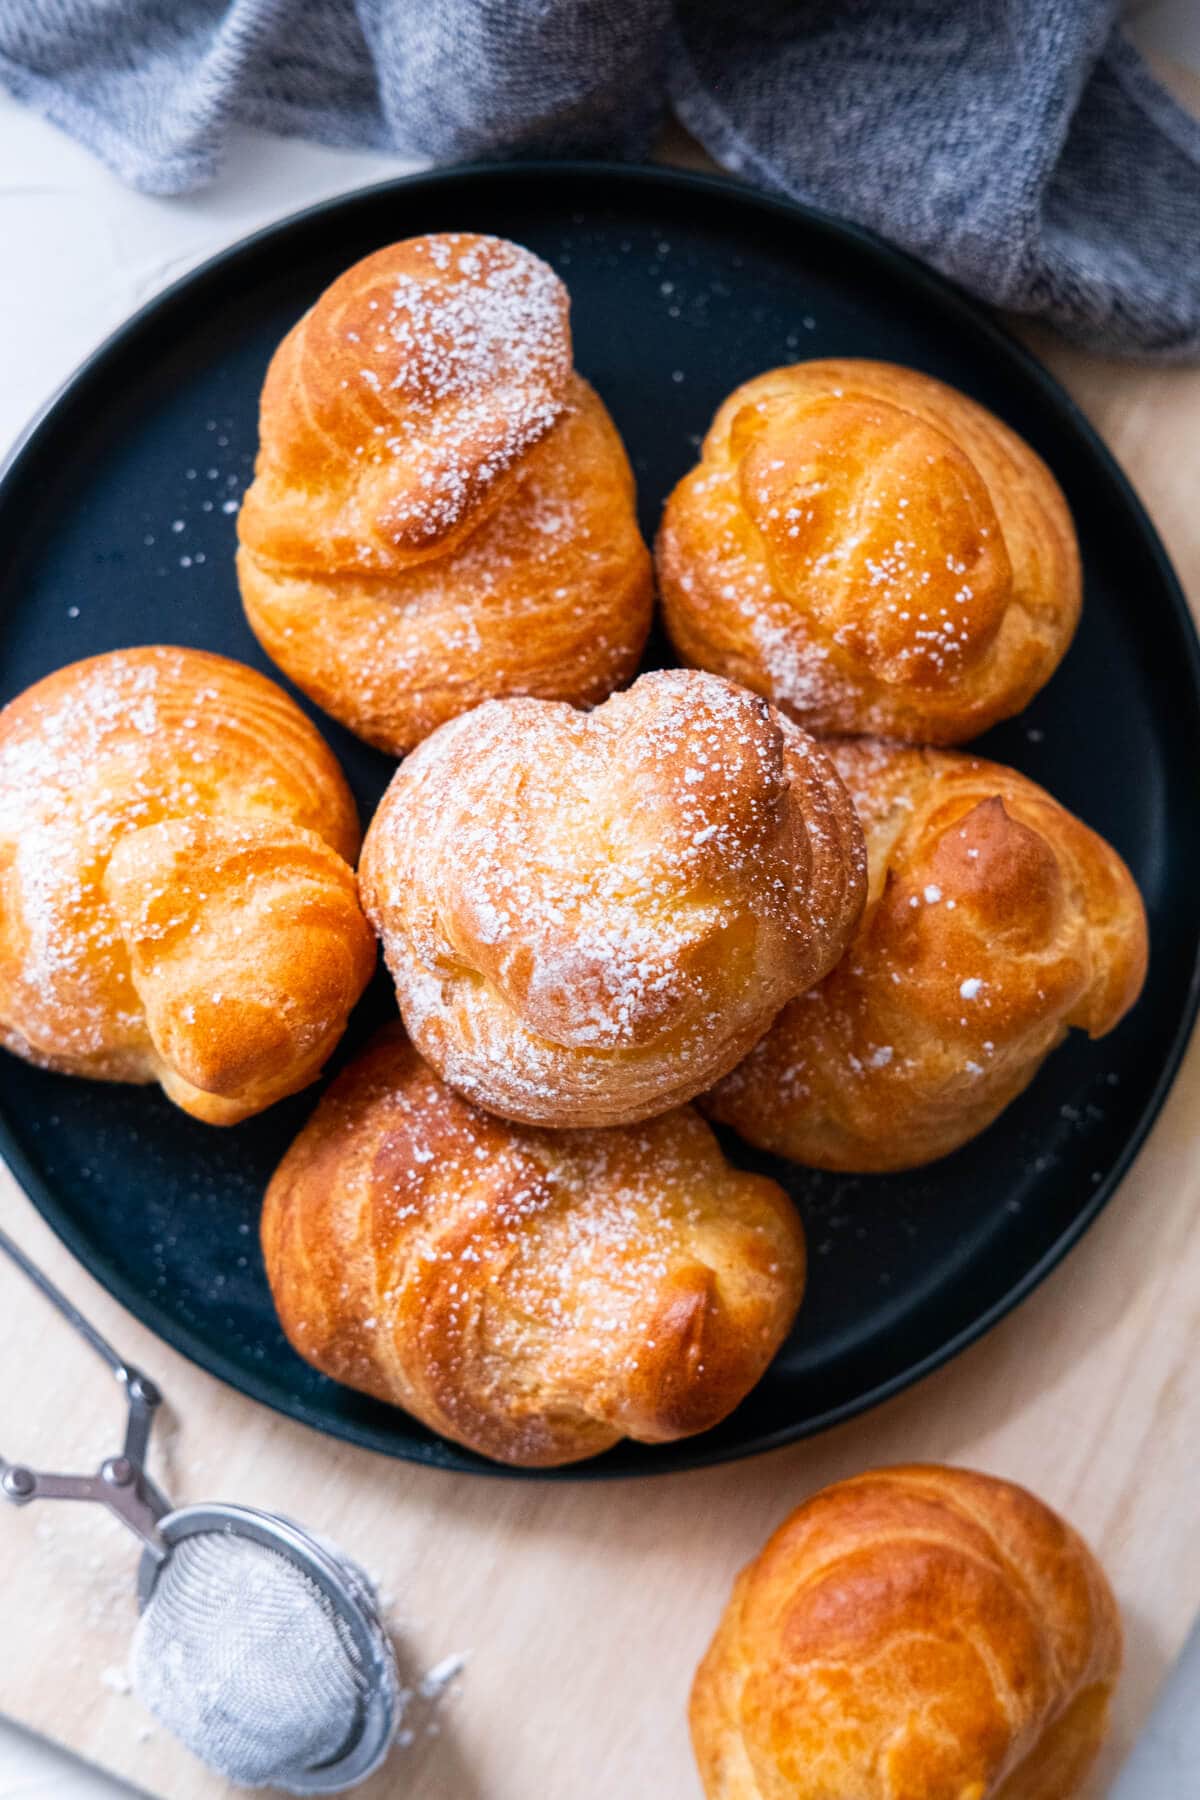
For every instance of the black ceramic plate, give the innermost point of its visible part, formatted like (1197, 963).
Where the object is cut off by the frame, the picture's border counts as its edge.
(117, 527)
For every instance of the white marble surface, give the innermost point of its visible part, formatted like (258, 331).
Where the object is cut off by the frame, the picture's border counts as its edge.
(80, 253)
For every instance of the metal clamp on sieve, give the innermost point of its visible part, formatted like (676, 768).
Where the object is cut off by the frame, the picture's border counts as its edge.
(259, 1644)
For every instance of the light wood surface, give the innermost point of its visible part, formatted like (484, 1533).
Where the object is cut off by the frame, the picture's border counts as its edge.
(582, 1609)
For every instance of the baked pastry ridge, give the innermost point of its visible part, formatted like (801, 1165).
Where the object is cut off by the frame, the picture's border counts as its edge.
(533, 1295)
(177, 901)
(588, 915)
(914, 1633)
(995, 922)
(873, 551)
(442, 509)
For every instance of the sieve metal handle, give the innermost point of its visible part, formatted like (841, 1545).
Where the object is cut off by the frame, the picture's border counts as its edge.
(121, 1482)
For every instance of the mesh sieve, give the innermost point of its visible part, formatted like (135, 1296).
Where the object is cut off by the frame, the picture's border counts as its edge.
(261, 1648)
(260, 1644)
(242, 1657)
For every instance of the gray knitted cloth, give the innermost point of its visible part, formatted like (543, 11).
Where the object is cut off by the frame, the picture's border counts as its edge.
(1019, 145)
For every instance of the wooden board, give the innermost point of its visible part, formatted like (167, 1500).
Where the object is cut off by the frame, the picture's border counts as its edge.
(582, 1610)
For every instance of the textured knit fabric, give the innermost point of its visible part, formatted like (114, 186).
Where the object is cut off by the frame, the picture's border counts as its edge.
(1019, 145)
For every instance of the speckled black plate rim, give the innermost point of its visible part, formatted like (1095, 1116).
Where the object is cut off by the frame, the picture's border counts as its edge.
(693, 1453)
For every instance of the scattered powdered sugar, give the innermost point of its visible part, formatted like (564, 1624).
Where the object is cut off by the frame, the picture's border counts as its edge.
(422, 1704)
(794, 662)
(494, 323)
(436, 1681)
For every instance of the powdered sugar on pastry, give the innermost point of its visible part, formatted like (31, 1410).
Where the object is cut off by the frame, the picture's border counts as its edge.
(442, 509)
(109, 751)
(414, 385)
(484, 340)
(535, 1295)
(585, 913)
(871, 550)
(995, 921)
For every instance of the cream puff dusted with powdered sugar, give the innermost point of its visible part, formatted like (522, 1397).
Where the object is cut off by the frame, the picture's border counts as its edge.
(535, 1295)
(442, 510)
(873, 551)
(589, 916)
(177, 901)
(995, 922)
